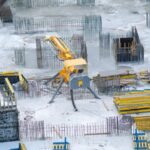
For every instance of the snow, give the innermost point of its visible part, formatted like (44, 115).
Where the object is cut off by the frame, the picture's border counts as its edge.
(117, 18)
(86, 143)
(92, 110)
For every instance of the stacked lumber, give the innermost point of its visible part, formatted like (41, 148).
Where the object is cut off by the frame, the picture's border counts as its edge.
(143, 123)
(133, 102)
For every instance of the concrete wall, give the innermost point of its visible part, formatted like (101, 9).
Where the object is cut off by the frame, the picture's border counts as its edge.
(92, 27)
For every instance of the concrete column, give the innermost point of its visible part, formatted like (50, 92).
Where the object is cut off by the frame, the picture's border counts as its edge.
(39, 53)
(148, 19)
(92, 27)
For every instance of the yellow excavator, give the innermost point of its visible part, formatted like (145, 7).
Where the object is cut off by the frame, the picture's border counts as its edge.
(72, 66)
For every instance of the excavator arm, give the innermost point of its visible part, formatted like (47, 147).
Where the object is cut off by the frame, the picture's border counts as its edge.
(64, 53)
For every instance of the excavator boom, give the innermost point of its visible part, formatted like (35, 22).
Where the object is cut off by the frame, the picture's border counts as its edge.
(64, 53)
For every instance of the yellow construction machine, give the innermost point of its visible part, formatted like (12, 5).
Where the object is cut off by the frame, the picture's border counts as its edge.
(72, 66)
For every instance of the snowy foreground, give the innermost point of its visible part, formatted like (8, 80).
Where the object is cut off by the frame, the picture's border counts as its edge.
(90, 143)
(117, 17)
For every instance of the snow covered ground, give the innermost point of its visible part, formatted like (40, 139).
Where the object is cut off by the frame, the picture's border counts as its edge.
(86, 143)
(118, 16)
(62, 111)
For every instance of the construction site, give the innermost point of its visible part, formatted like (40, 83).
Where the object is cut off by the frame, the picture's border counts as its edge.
(74, 75)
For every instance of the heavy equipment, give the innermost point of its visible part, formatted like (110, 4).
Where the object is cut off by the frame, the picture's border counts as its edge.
(71, 73)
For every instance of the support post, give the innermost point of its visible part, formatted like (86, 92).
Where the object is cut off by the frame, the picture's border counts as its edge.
(72, 99)
(57, 90)
(95, 95)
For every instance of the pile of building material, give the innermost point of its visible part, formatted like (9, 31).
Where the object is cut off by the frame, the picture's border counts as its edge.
(143, 123)
(144, 76)
(133, 102)
(115, 82)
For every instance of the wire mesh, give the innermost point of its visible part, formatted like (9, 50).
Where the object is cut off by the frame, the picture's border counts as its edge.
(43, 3)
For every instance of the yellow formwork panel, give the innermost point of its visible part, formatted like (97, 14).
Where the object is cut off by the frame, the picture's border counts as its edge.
(10, 88)
(133, 102)
(23, 147)
(129, 76)
(23, 82)
(134, 111)
(133, 97)
(143, 122)
(10, 73)
(137, 92)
